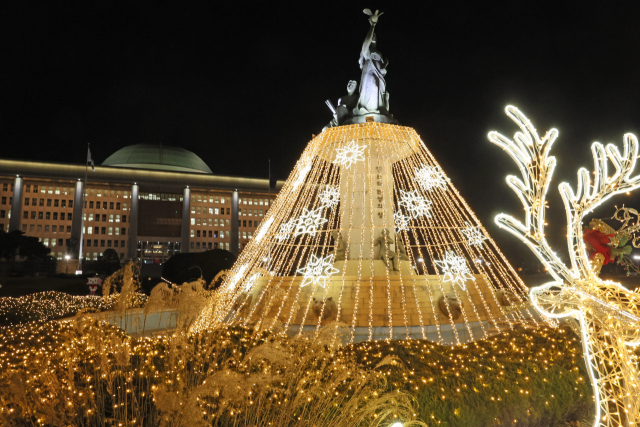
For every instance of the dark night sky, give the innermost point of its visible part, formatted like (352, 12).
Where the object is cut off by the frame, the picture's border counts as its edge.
(244, 83)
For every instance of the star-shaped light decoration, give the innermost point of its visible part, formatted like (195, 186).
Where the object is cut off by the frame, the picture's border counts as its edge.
(317, 271)
(251, 281)
(330, 196)
(309, 222)
(455, 269)
(286, 228)
(414, 203)
(349, 155)
(429, 177)
(263, 229)
(474, 235)
(401, 221)
(303, 174)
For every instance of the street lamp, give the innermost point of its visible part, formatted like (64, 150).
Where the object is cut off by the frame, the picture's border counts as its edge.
(67, 257)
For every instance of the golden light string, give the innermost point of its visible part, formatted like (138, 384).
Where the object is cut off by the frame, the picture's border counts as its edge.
(424, 230)
(313, 240)
(448, 213)
(371, 254)
(349, 227)
(389, 182)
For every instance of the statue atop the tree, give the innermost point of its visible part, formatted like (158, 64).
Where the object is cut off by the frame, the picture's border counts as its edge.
(373, 95)
(370, 98)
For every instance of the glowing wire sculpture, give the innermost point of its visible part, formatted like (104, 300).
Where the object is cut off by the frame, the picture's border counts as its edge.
(455, 269)
(609, 314)
(286, 230)
(317, 271)
(429, 177)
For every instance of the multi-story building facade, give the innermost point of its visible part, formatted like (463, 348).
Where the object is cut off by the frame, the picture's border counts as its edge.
(146, 202)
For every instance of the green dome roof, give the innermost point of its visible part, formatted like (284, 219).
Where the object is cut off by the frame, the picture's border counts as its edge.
(159, 157)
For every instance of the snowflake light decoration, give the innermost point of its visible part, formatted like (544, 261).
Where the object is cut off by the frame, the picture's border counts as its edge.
(414, 203)
(429, 177)
(455, 269)
(401, 221)
(330, 196)
(317, 271)
(309, 222)
(286, 229)
(474, 235)
(349, 155)
(264, 229)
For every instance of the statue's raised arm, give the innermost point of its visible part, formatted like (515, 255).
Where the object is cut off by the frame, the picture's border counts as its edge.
(373, 97)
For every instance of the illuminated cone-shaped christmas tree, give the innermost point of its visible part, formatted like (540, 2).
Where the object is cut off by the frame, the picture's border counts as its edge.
(369, 231)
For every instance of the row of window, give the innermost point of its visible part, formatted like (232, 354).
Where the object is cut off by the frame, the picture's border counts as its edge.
(96, 192)
(163, 197)
(3, 200)
(87, 256)
(261, 202)
(48, 190)
(211, 211)
(110, 217)
(52, 242)
(57, 203)
(111, 231)
(89, 243)
(47, 228)
(48, 215)
(5, 214)
(210, 199)
(5, 186)
(211, 245)
(211, 222)
(212, 233)
(103, 205)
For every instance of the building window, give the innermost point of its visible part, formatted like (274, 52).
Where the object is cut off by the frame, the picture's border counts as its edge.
(26, 201)
(226, 246)
(25, 214)
(110, 231)
(64, 203)
(110, 205)
(123, 231)
(226, 222)
(91, 205)
(117, 218)
(122, 243)
(193, 233)
(89, 243)
(198, 233)
(197, 245)
(95, 243)
(198, 221)
(108, 243)
(102, 243)
(55, 216)
(69, 216)
(3, 214)
(244, 223)
(54, 229)
(4, 200)
(192, 245)
(103, 231)
(124, 218)
(110, 218)
(99, 193)
(48, 203)
(222, 234)
(124, 206)
(62, 215)
(193, 209)
(193, 221)
(90, 230)
(46, 242)
(32, 228)
(56, 203)
(115, 243)
(33, 214)
(104, 218)
(39, 228)
(117, 230)
(118, 205)
(210, 224)
(97, 205)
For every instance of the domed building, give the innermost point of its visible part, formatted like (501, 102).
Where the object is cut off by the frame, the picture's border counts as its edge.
(145, 201)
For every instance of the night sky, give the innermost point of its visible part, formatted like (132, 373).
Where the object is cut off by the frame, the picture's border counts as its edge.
(239, 83)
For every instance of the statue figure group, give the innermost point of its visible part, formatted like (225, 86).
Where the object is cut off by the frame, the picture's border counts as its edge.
(372, 96)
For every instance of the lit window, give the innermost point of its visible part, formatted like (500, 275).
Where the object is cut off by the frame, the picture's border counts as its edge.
(222, 199)
(226, 246)
(193, 221)
(198, 221)
(57, 190)
(217, 211)
(222, 234)
(50, 190)
(46, 242)
(193, 234)
(210, 211)
(193, 209)
(99, 193)
(216, 222)
(199, 197)
(117, 230)
(110, 218)
(117, 218)
(199, 210)
(53, 242)
(110, 231)
(90, 230)
(261, 212)
(210, 224)
(226, 222)
(124, 207)
(217, 199)
(90, 217)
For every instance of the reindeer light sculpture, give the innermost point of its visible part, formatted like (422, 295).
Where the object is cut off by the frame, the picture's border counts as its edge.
(608, 313)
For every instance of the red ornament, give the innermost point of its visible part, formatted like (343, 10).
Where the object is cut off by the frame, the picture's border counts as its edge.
(599, 244)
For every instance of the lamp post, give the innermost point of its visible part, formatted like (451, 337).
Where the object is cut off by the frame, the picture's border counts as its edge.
(67, 257)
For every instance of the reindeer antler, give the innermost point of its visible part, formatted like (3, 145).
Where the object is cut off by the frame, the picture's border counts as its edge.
(587, 196)
(531, 154)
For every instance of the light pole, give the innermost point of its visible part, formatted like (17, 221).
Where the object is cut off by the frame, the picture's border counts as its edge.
(67, 267)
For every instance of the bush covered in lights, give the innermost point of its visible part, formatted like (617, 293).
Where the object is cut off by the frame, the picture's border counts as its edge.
(87, 373)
